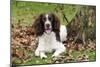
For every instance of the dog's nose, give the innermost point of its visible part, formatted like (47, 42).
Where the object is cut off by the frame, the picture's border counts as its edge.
(47, 25)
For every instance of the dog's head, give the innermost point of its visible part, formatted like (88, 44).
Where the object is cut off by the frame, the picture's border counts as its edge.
(46, 23)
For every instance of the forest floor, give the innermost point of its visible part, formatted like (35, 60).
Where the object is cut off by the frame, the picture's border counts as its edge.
(24, 44)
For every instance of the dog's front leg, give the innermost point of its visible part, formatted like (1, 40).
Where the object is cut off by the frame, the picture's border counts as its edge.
(37, 53)
(41, 48)
(58, 50)
(57, 53)
(42, 55)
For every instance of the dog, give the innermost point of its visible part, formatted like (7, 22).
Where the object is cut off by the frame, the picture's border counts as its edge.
(50, 35)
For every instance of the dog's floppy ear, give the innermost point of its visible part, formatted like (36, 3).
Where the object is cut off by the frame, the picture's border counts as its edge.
(56, 26)
(56, 23)
(38, 25)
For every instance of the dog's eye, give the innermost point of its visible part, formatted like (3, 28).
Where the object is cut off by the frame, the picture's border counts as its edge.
(44, 19)
(50, 18)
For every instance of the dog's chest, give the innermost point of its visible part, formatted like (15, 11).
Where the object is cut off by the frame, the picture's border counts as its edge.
(49, 38)
(49, 41)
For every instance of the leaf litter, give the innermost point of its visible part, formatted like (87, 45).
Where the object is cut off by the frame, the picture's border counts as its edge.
(24, 43)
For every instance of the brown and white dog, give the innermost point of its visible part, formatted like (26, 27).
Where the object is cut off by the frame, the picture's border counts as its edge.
(50, 35)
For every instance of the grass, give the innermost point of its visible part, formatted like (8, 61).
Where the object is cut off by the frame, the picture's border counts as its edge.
(91, 55)
(38, 61)
(28, 10)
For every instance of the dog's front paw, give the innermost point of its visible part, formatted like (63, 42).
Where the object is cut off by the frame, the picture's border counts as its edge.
(43, 56)
(55, 55)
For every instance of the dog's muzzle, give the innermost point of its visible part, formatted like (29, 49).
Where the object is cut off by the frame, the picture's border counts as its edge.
(48, 28)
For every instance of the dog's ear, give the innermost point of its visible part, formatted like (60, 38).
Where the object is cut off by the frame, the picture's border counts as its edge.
(56, 26)
(56, 23)
(38, 25)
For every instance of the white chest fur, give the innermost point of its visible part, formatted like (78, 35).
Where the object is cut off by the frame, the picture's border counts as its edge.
(47, 41)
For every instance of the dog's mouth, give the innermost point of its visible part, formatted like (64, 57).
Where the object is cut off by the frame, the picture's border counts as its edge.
(48, 30)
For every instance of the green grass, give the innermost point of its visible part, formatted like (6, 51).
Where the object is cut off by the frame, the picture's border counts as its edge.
(91, 55)
(28, 10)
(37, 60)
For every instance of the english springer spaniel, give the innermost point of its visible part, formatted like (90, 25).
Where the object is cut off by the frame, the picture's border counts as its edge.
(50, 35)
